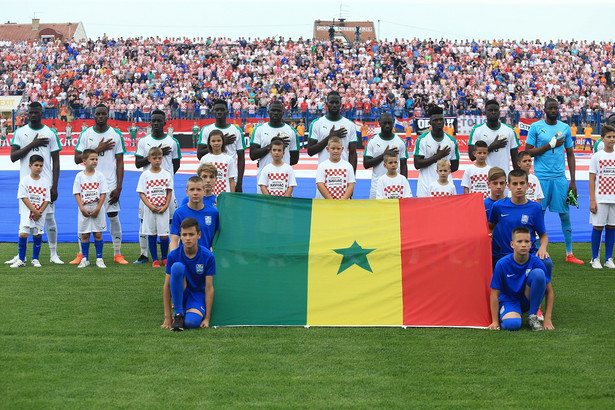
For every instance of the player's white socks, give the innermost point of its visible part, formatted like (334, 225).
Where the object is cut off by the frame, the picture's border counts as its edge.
(52, 233)
(115, 229)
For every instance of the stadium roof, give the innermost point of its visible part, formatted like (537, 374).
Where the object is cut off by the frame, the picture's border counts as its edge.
(36, 31)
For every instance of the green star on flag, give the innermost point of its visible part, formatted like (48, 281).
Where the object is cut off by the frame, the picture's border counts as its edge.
(354, 255)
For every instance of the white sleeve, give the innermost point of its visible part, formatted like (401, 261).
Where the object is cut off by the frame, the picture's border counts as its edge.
(263, 178)
(320, 173)
(380, 188)
(22, 191)
(232, 168)
(76, 183)
(103, 188)
(141, 183)
(407, 189)
(351, 177)
(539, 193)
(465, 180)
(291, 177)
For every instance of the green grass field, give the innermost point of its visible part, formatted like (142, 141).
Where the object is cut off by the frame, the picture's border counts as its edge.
(91, 338)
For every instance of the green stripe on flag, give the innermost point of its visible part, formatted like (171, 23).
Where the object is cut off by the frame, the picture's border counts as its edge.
(261, 270)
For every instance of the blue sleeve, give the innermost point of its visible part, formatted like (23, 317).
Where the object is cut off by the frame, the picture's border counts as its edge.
(531, 136)
(175, 224)
(568, 138)
(170, 261)
(540, 220)
(493, 213)
(210, 269)
(184, 201)
(496, 279)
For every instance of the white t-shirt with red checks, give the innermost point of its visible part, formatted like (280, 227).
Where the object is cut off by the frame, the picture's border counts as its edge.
(90, 188)
(393, 187)
(336, 176)
(602, 164)
(37, 191)
(276, 179)
(155, 185)
(435, 189)
(226, 169)
(475, 179)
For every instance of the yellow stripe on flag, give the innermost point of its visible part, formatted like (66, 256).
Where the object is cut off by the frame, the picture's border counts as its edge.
(354, 273)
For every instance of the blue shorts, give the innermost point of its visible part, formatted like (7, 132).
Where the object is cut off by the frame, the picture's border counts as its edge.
(194, 300)
(518, 306)
(556, 192)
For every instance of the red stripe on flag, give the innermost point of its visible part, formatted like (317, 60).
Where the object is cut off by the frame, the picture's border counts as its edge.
(446, 261)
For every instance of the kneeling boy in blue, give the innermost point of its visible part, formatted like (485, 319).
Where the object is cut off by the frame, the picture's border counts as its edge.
(520, 281)
(190, 269)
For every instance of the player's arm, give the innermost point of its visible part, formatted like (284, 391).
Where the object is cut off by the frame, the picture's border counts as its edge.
(140, 162)
(176, 164)
(349, 191)
(55, 161)
(114, 196)
(572, 166)
(209, 300)
(454, 165)
(421, 162)
(77, 157)
(549, 296)
(494, 304)
(403, 167)
(544, 242)
(166, 302)
(352, 155)
(513, 157)
(294, 157)
(257, 152)
(471, 150)
(593, 207)
(241, 166)
(18, 153)
(314, 147)
(201, 151)
(323, 190)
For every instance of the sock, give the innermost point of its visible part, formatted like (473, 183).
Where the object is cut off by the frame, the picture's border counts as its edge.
(52, 233)
(567, 230)
(164, 247)
(609, 241)
(115, 229)
(513, 323)
(98, 245)
(152, 247)
(596, 238)
(192, 320)
(85, 249)
(178, 271)
(79, 243)
(537, 282)
(22, 246)
(36, 247)
(142, 241)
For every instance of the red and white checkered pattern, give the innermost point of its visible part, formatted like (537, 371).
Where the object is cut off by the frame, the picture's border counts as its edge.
(278, 177)
(159, 199)
(89, 186)
(222, 179)
(38, 191)
(606, 184)
(436, 194)
(479, 178)
(394, 191)
(337, 192)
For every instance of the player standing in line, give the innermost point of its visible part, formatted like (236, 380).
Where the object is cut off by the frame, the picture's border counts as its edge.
(442, 186)
(334, 177)
(36, 138)
(233, 140)
(475, 178)
(392, 185)
(189, 281)
(333, 125)
(520, 282)
(431, 147)
(171, 159)
(386, 142)
(602, 198)
(225, 181)
(260, 145)
(90, 190)
(208, 173)
(534, 191)
(549, 141)
(33, 194)
(501, 139)
(277, 178)
(108, 143)
(497, 185)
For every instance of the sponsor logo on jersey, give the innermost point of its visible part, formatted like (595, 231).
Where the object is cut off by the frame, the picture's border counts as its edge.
(524, 219)
(199, 269)
(207, 220)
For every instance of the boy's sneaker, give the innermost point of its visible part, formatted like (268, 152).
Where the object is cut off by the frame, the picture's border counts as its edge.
(36, 263)
(84, 263)
(609, 263)
(596, 263)
(77, 260)
(164, 263)
(120, 259)
(100, 263)
(178, 322)
(56, 259)
(156, 264)
(142, 259)
(540, 315)
(13, 260)
(18, 264)
(573, 259)
(534, 323)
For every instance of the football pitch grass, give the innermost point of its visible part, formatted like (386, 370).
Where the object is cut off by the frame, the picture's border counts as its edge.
(91, 338)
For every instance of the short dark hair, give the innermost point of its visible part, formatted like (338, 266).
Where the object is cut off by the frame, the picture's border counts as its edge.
(213, 133)
(519, 229)
(435, 110)
(36, 158)
(35, 104)
(523, 154)
(606, 128)
(189, 223)
(481, 144)
(611, 119)
(195, 180)
(492, 102)
(277, 141)
(548, 100)
(333, 94)
(219, 101)
(102, 106)
(517, 173)
(159, 112)
(86, 153)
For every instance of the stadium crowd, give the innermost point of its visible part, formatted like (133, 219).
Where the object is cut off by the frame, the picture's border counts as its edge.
(135, 76)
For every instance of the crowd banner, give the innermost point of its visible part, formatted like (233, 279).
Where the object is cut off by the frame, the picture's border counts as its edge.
(422, 125)
(309, 262)
(465, 123)
(524, 125)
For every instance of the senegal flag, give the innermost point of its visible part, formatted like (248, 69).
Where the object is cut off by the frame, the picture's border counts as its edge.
(408, 262)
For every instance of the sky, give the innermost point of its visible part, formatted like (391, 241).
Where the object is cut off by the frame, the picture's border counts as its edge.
(521, 19)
